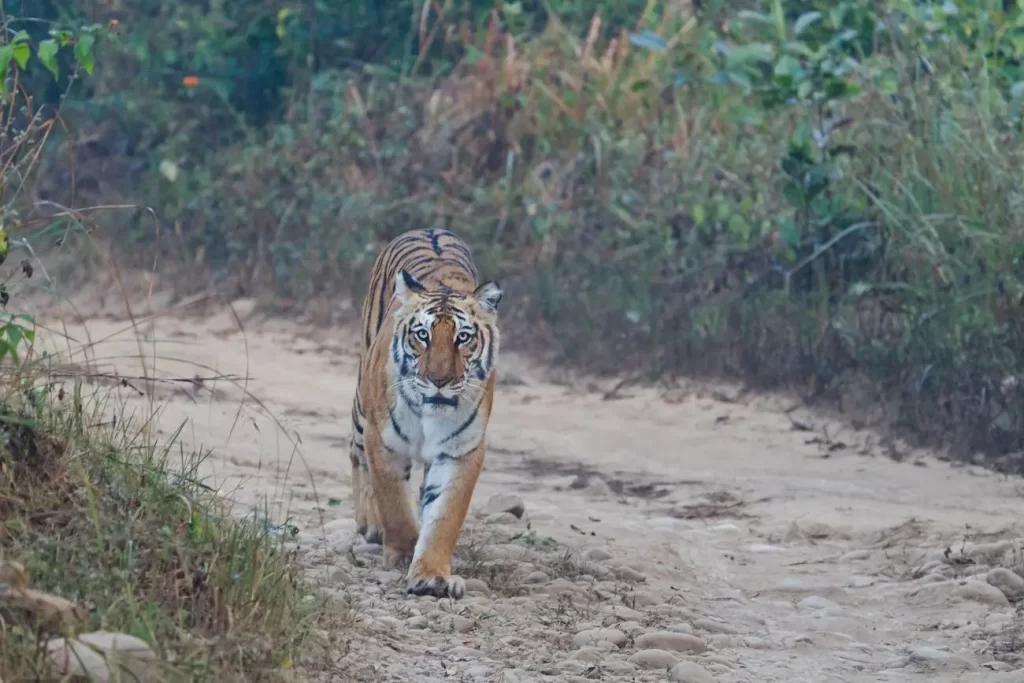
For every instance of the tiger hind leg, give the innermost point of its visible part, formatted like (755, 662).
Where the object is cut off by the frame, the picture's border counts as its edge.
(367, 520)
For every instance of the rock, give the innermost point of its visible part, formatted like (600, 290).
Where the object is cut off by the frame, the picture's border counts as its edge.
(712, 626)
(628, 574)
(629, 627)
(815, 602)
(597, 555)
(516, 676)
(476, 585)
(462, 624)
(982, 592)
(593, 636)
(367, 549)
(619, 667)
(935, 658)
(501, 518)
(623, 612)
(669, 640)
(653, 659)
(589, 654)
(96, 654)
(681, 627)
(416, 622)
(690, 672)
(505, 502)
(1008, 582)
(536, 577)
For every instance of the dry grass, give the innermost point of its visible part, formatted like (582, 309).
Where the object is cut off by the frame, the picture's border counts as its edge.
(97, 514)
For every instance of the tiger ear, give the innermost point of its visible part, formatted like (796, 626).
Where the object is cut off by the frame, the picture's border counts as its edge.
(489, 295)
(405, 283)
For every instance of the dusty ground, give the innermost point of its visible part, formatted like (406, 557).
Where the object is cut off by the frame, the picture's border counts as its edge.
(712, 538)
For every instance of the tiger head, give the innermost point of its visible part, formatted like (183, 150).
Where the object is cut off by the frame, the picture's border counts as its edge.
(446, 342)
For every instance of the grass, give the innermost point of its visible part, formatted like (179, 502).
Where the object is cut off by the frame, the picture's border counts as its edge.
(100, 514)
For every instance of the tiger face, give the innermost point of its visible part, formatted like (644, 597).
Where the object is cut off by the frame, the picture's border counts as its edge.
(446, 342)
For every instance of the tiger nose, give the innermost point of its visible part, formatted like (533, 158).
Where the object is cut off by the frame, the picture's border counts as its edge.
(439, 381)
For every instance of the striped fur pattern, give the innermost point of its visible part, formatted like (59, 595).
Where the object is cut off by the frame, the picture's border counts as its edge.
(426, 385)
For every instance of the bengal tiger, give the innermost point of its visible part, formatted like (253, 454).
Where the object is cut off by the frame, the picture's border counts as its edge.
(424, 392)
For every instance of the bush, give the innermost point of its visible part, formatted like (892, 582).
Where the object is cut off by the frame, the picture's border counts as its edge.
(786, 191)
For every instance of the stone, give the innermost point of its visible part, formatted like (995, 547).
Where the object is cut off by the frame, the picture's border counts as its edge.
(654, 659)
(505, 502)
(593, 636)
(982, 592)
(1008, 582)
(670, 640)
(690, 672)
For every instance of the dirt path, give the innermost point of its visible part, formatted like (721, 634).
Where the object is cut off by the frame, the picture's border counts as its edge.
(657, 529)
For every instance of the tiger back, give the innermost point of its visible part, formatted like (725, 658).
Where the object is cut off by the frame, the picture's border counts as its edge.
(428, 351)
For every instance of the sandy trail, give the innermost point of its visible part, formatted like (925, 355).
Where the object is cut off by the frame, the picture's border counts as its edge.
(709, 530)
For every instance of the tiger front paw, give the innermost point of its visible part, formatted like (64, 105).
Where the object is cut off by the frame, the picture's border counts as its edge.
(437, 586)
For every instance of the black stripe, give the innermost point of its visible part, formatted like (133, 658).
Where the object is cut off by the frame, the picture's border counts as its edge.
(465, 425)
(394, 425)
(408, 472)
(435, 241)
(429, 495)
(442, 457)
(490, 346)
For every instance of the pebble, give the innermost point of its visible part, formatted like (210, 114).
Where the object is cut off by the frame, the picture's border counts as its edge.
(505, 502)
(596, 635)
(681, 627)
(712, 626)
(597, 555)
(462, 624)
(536, 577)
(588, 654)
(367, 549)
(623, 612)
(654, 659)
(690, 672)
(815, 602)
(617, 666)
(982, 592)
(501, 518)
(669, 640)
(416, 622)
(629, 574)
(935, 658)
(1008, 582)
(629, 627)
(476, 585)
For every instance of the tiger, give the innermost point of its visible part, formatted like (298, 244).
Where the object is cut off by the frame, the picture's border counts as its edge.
(424, 391)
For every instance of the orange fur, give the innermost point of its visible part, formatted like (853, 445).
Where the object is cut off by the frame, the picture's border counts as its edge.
(425, 392)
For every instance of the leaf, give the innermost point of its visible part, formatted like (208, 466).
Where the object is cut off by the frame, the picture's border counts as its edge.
(6, 55)
(648, 40)
(754, 17)
(740, 55)
(83, 52)
(805, 20)
(698, 215)
(21, 53)
(788, 69)
(47, 54)
(788, 233)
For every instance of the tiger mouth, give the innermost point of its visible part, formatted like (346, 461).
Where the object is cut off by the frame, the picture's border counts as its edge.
(439, 400)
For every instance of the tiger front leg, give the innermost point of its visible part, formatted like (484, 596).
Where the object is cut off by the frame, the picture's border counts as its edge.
(447, 490)
(389, 500)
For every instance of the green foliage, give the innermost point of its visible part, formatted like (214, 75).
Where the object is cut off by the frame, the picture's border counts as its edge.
(786, 190)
